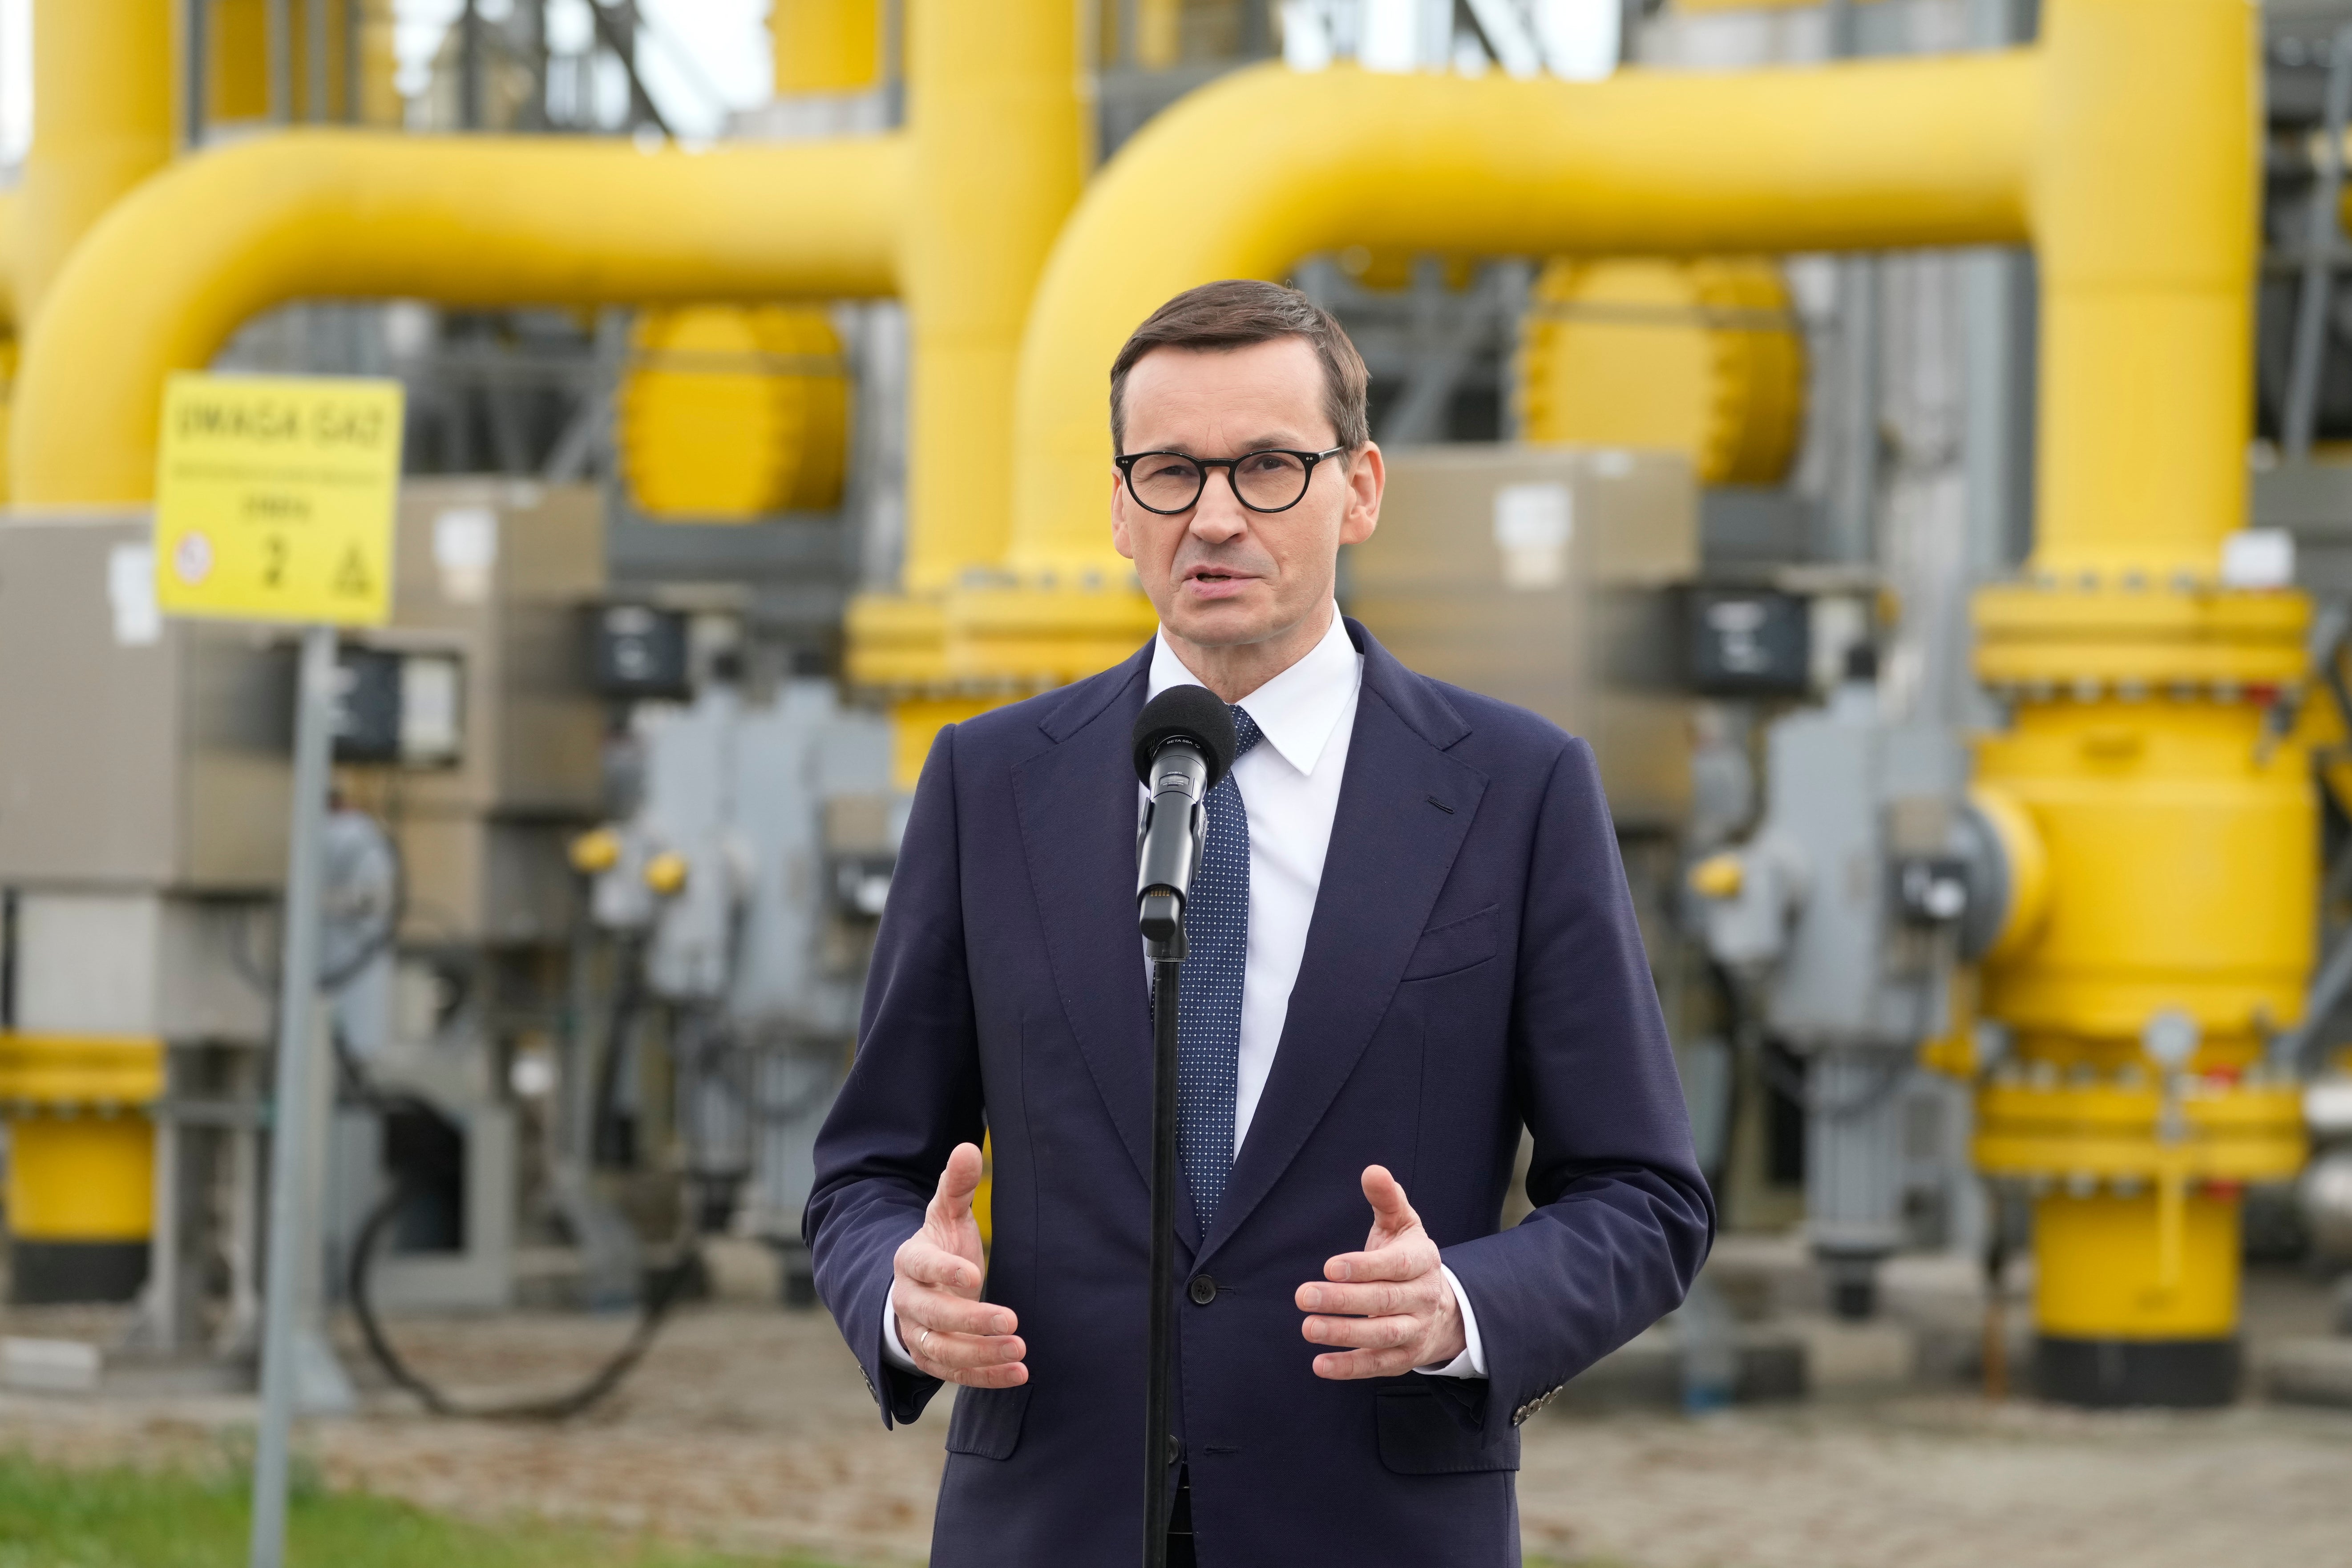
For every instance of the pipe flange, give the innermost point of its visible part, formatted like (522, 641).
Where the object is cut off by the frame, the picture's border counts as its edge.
(2088, 642)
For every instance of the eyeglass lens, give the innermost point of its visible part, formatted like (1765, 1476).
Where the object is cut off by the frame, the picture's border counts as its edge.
(1265, 481)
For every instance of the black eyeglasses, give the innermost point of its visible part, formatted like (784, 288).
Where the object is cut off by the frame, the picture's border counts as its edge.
(1171, 482)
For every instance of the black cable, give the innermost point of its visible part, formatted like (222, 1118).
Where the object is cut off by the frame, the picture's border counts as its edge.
(662, 1293)
(663, 1290)
(603, 1116)
(264, 978)
(1734, 1096)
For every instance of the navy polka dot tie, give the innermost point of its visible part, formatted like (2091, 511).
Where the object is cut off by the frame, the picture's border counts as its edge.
(1209, 1030)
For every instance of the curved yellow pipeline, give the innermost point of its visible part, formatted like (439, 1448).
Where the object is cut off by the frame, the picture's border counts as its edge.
(2145, 222)
(12, 235)
(997, 133)
(1845, 156)
(102, 100)
(466, 221)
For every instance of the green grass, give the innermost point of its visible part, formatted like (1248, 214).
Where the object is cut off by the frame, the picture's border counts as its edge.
(52, 1518)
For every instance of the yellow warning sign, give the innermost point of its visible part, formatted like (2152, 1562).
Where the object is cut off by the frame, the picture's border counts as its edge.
(274, 498)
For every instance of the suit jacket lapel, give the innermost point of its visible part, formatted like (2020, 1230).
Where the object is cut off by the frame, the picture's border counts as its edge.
(1077, 809)
(1390, 852)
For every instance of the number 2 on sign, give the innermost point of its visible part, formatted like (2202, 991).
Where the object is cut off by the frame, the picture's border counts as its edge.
(273, 547)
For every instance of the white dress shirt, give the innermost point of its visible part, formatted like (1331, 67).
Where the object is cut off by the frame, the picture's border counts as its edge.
(1289, 784)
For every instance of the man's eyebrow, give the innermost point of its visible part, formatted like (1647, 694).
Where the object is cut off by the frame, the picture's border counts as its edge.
(1280, 439)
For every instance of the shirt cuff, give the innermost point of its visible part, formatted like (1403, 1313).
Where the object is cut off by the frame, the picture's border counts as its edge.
(1472, 1362)
(893, 1349)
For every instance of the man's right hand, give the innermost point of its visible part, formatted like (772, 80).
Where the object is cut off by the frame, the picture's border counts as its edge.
(935, 1282)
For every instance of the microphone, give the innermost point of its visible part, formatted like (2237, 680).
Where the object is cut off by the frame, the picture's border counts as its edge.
(1183, 745)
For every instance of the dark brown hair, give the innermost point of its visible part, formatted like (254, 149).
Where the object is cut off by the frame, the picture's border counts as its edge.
(1235, 314)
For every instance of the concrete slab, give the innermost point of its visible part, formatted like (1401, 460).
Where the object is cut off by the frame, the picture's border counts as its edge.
(2311, 1371)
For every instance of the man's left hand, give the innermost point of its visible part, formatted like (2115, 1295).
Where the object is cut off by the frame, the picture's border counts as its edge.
(1390, 1301)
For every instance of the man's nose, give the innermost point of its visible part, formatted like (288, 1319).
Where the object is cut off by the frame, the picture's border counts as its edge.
(1218, 515)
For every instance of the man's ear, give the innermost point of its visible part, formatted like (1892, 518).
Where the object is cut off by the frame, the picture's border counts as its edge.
(1119, 535)
(1368, 477)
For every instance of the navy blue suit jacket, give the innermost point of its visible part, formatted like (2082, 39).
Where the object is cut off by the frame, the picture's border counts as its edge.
(1472, 966)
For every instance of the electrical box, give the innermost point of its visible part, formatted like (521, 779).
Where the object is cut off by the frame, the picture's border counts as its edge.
(1547, 576)
(1749, 642)
(135, 752)
(640, 653)
(498, 734)
(496, 572)
(402, 710)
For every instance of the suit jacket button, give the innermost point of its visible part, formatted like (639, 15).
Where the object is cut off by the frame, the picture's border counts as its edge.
(1203, 1290)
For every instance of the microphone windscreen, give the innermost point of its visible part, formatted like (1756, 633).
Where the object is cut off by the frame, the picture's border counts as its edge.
(1190, 713)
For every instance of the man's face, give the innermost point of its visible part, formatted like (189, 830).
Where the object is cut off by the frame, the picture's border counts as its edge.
(1221, 575)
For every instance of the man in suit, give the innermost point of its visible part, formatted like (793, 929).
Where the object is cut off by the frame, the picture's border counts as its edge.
(1410, 937)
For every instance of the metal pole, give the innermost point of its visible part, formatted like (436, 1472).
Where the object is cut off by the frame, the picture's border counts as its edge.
(280, 25)
(195, 59)
(354, 25)
(314, 48)
(296, 1020)
(2323, 231)
(1158, 1442)
(470, 66)
(1854, 484)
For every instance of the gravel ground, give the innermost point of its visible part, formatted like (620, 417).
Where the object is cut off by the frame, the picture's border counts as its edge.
(748, 1427)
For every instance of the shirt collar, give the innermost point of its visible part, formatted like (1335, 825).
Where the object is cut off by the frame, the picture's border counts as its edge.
(1298, 709)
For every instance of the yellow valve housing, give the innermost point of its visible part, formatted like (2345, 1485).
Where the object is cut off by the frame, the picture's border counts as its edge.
(81, 1163)
(728, 413)
(2135, 1223)
(1701, 356)
(666, 873)
(2148, 789)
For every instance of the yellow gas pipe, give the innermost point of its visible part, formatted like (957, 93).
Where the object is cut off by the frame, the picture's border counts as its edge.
(955, 214)
(80, 1168)
(2148, 749)
(2139, 479)
(826, 45)
(2180, 831)
(1909, 152)
(463, 220)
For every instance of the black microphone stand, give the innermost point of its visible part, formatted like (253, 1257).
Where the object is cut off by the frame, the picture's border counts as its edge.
(1163, 933)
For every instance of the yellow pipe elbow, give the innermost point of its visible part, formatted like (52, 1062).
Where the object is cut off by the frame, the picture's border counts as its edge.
(102, 101)
(1845, 156)
(469, 221)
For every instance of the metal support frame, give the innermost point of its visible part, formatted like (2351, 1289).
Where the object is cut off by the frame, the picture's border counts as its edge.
(1159, 1441)
(354, 51)
(314, 51)
(1130, 22)
(196, 62)
(298, 1017)
(470, 66)
(2323, 251)
(279, 26)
